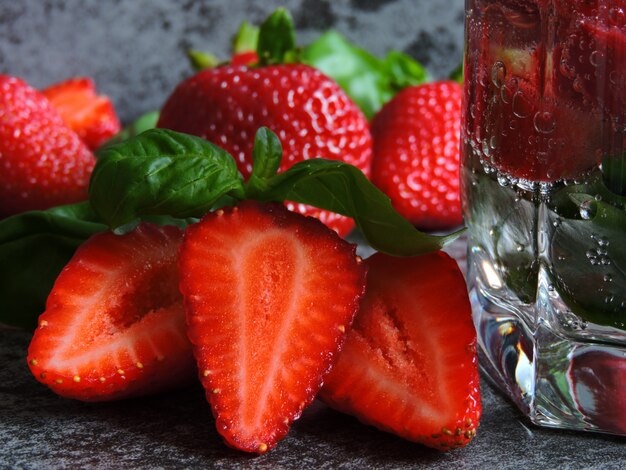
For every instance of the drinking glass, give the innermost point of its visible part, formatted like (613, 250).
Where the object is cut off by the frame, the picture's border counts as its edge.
(543, 178)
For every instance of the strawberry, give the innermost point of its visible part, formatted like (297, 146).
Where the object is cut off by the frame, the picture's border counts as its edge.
(310, 113)
(596, 378)
(269, 295)
(416, 153)
(43, 163)
(114, 324)
(91, 116)
(409, 363)
(593, 61)
(538, 136)
(244, 58)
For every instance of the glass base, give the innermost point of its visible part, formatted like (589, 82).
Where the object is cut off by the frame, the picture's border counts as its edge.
(556, 379)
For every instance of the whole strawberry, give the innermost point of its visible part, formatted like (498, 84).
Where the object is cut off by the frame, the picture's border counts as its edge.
(43, 162)
(312, 116)
(416, 153)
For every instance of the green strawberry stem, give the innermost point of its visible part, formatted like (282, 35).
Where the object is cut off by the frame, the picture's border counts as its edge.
(277, 38)
(201, 60)
(246, 39)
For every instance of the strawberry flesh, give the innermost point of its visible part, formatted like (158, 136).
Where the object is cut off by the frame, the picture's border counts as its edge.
(269, 295)
(90, 115)
(114, 324)
(409, 363)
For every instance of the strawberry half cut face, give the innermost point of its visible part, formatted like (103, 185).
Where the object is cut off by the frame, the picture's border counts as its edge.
(409, 364)
(114, 324)
(269, 295)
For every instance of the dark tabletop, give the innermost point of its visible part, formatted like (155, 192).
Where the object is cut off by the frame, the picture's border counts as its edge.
(176, 430)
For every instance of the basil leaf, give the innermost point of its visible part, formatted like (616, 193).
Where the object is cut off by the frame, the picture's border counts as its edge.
(589, 261)
(368, 80)
(343, 188)
(277, 37)
(614, 173)
(403, 71)
(141, 124)
(266, 156)
(161, 172)
(504, 227)
(34, 248)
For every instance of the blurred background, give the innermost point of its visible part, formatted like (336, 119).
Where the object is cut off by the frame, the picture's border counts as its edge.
(135, 49)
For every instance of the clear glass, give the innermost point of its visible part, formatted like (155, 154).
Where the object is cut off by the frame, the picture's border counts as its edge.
(544, 198)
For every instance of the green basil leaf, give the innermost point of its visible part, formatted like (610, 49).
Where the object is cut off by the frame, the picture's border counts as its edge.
(368, 80)
(161, 172)
(343, 188)
(34, 248)
(143, 123)
(504, 229)
(246, 39)
(614, 173)
(266, 156)
(589, 261)
(277, 37)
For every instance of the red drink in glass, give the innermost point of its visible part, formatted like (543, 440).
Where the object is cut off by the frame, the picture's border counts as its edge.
(544, 198)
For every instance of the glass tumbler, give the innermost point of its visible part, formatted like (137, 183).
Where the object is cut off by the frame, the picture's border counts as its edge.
(543, 178)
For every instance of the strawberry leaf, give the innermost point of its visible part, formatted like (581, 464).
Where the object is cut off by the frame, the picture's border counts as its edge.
(277, 38)
(161, 172)
(34, 248)
(368, 80)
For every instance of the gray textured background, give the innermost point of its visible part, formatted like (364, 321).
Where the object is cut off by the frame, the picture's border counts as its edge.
(135, 48)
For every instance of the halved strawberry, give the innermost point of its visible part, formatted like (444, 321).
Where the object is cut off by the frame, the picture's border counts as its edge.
(409, 363)
(90, 115)
(114, 324)
(269, 295)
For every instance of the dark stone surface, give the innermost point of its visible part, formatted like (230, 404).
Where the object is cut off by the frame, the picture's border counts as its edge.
(136, 49)
(176, 430)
